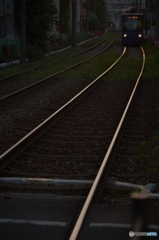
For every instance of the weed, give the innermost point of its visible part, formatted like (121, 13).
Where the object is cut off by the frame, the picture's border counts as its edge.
(145, 152)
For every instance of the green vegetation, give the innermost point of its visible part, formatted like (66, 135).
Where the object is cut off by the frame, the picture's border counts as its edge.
(9, 53)
(137, 190)
(97, 17)
(40, 16)
(132, 65)
(127, 73)
(96, 66)
(145, 152)
(54, 57)
(152, 61)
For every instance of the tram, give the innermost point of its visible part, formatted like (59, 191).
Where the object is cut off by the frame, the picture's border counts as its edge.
(132, 29)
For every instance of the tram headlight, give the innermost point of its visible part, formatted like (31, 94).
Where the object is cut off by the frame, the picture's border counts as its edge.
(125, 35)
(140, 35)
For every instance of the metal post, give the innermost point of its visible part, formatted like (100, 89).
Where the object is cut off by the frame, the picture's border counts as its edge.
(157, 19)
(137, 5)
(140, 6)
(139, 214)
(133, 6)
(73, 23)
(145, 16)
(23, 32)
(87, 18)
(12, 19)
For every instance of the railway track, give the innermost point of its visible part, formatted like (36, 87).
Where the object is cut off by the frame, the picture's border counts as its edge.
(74, 144)
(17, 84)
(12, 76)
(44, 125)
(47, 99)
(100, 180)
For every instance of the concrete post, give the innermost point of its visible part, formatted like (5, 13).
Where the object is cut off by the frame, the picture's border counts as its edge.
(23, 32)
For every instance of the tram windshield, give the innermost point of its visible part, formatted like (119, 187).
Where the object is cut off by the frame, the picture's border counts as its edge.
(132, 23)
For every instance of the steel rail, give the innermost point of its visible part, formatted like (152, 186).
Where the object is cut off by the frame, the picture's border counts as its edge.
(44, 80)
(94, 187)
(23, 143)
(56, 61)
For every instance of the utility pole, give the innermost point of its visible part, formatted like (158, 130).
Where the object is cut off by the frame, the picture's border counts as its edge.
(157, 19)
(62, 16)
(137, 5)
(140, 6)
(87, 18)
(23, 32)
(146, 17)
(73, 23)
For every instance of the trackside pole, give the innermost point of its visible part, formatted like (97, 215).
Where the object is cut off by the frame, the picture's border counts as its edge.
(139, 216)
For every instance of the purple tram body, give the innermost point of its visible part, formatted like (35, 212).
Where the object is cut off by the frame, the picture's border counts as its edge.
(132, 29)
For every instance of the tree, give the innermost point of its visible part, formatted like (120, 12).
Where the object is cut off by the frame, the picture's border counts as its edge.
(98, 10)
(64, 16)
(40, 16)
(93, 24)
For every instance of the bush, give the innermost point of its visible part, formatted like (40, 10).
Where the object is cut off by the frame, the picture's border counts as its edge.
(34, 53)
(57, 43)
(9, 53)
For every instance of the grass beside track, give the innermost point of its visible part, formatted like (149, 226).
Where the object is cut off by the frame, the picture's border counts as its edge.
(132, 65)
(152, 62)
(14, 69)
(151, 68)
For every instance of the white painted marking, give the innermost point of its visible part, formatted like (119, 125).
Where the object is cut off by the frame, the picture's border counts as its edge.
(33, 222)
(155, 227)
(115, 225)
(118, 225)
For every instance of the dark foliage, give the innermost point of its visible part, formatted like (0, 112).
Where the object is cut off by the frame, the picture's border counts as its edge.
(9, 53)
(40, 17)
(98, 8)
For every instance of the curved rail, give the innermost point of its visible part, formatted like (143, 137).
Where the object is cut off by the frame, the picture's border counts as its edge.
(94, 187)
(22, 144)
(42, 81)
